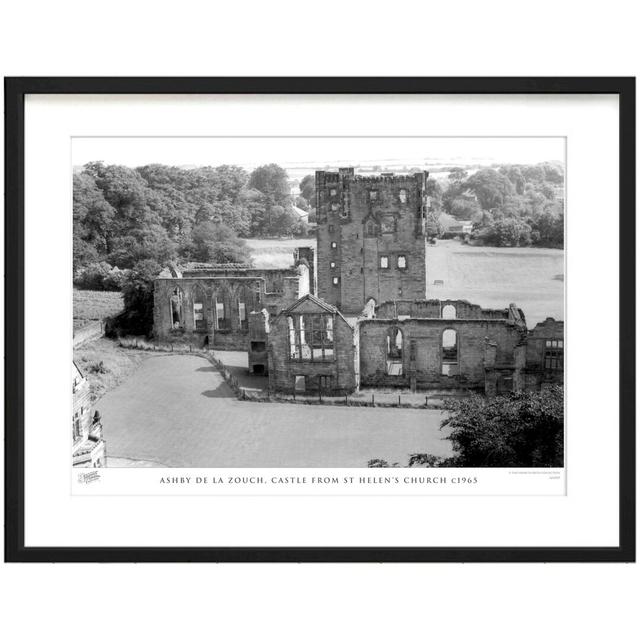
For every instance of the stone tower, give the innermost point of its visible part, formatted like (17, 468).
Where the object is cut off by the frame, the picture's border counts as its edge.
(371, 238)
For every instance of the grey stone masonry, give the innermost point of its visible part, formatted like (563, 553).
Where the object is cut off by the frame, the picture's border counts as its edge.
(371, 238)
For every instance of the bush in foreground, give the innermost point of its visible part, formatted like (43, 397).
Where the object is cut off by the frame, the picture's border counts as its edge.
(523, 429)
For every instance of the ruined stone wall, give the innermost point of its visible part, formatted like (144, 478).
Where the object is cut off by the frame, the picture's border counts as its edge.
(536, 376)
(422, 352)
(434, 308)
(258, 342)
(277, 292)
(283, 370)
(308, 255)
(208, 291)
(361, 221)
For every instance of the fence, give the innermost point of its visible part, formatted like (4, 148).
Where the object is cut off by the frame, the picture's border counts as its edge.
(229, 378)
(344, 401)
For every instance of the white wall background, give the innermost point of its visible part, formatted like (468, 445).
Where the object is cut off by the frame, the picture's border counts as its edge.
(330, 38)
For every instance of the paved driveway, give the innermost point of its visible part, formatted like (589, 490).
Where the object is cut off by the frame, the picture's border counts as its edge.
(177, 411)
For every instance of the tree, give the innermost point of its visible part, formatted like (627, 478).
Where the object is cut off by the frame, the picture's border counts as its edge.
(523, 429)
(457, 175)
(150, 242)
(302, 203)
(534, 173)
(549, 229)
(505, 232)
(308, 188)
(553, 173)
(218, 243)
(464, 208)
(84, 253)
(491, 187)
(93, 219)
(515, 177)
(272, 181)
(98, 277)
(137, 294)
(256, 205)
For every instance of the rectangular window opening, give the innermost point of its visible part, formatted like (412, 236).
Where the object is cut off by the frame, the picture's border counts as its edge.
(554, 354)
(222, 321)
(198, 315)
(311, 337)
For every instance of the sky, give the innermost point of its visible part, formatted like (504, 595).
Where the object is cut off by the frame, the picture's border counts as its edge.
(301, 155)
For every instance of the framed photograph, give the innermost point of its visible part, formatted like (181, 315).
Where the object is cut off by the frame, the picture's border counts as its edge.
(320, 319)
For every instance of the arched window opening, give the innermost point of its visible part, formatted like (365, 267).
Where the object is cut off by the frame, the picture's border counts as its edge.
(199, 310)
(394, 351)
(247, 302)
(448, 312)
(450, 362)
(176, 306)
(293, 343)
(223, 310)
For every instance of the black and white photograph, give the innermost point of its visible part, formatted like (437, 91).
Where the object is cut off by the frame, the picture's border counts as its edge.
(329, 313)
(347, 293)
(319, 302)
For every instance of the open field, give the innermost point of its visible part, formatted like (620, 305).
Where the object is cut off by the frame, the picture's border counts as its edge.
(176, 410)
(489, 276)
(493, 277)
(89, 306)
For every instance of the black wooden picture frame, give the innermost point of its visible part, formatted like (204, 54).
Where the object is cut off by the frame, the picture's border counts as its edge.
(15, 91)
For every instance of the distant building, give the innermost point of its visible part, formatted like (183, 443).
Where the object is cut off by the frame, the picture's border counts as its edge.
(457, 228)
(301, 213)
(88, 448)
(294, 188)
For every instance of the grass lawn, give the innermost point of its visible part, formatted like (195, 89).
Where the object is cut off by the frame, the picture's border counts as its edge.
(89, 306)
(176, 410)
(105, 364)
(493, 277)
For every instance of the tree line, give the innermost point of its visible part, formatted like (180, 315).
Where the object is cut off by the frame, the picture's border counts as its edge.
(508, 205)
(124, 216)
